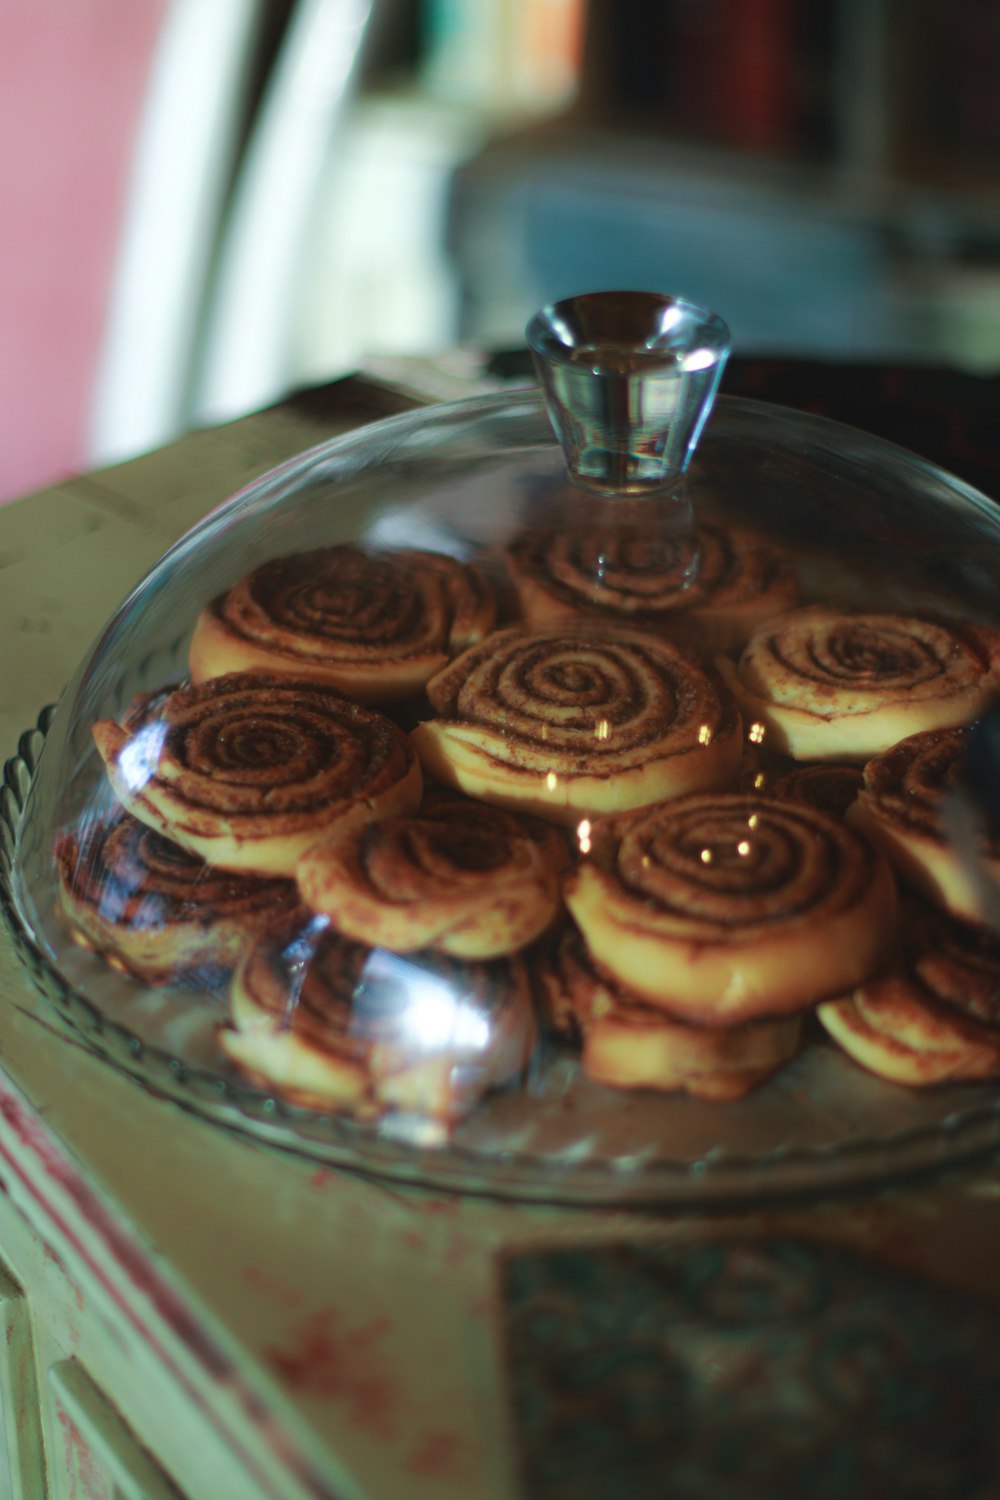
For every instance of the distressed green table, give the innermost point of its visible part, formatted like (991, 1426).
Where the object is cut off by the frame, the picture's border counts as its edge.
(186, 1311)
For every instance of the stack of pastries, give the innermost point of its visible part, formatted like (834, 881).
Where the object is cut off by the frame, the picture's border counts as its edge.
(655, 809)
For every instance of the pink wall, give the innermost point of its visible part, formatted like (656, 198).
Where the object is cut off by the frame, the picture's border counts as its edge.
(72, 78)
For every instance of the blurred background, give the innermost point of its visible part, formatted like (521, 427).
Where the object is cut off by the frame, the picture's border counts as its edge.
(207, 203)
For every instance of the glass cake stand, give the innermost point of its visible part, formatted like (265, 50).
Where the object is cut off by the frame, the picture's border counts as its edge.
(861, 523)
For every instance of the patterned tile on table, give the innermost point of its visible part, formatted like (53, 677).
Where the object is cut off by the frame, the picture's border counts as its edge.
(734, 1369)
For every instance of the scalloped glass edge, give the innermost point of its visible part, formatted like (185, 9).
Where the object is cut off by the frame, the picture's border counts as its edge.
(717, 1178)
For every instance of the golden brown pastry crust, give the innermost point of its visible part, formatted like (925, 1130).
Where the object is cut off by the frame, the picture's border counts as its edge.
(247, 771)
(936, 1017)
(330, 1024)
(826, 685)
(456, 875)
(568, 724)
(728, 908)
(376, 625)
(899, 809)
(148, 907)
(711, 584)
(629, 1043)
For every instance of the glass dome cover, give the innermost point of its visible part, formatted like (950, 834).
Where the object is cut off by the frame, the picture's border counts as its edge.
(582, 825)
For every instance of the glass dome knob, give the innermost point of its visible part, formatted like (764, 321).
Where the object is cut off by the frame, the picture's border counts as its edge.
(629, 379)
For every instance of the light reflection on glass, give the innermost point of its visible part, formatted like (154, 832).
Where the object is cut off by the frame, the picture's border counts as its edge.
(141, 756)
(563, 328)
(298, 956)
(299, 952)
(699, 359)
(430, 1011)
(669, 318)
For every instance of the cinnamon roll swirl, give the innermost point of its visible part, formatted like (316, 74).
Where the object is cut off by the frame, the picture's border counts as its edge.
(830, 787)
(722, 909)
(376, 625)
(151, 909)
(456, 875)
(711, 582)
(823, 685)
(900, 810)
(331, 1024)
(247, 772)
(567, 725)
(629, 1043)
(937, 1016)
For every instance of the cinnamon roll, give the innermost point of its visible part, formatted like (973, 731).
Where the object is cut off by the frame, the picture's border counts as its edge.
(819, 684)
(722, 909)
(711, 583)
(629, 1043)
(151, 909)
(937, 1016)
(247, 771)
(567, 725)
(456, 875)
(900, 809)
(376, 625)
(831, 787)
(331, 1024)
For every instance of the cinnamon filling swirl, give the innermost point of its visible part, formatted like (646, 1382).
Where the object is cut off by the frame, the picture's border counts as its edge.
(901, 808)
(333, 1024)
(823, 685)
(723, 580)
(832, 788)
(937, 1016)
(457, 875)
(248, 771)
(376, 625)
(149, 907)
(629, 1043)
(722, 909)
(565, 724)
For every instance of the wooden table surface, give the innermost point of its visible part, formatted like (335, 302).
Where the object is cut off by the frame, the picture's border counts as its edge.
(349, 1337)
